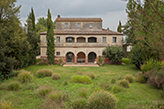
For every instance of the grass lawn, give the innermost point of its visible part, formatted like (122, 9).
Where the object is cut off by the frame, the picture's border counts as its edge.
(140, 94)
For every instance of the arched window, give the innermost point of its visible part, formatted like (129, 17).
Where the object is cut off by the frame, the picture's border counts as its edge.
(70, 39)
(81, 40)
(92, 40)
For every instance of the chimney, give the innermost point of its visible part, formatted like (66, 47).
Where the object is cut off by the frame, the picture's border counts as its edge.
(107, 28)
(58, 16)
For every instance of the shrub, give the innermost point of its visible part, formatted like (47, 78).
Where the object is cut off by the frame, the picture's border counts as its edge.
(113, 81)
(65, 83)
(43, 90)
(161, 93)
(126, 61)
(102, 100)
(5, 104)
(25, 76)
(56, 76)
(3, 86)
(129, 77)
(50, 104)
(155, 78)
(124, 83)
(114, 53)
(30, 86)
(81, 79)
(105, 86)
(151, 64)
(117, 89)
(100, 59)
(44, 72)
(57, 96)
(90, 74)
(14, 86)
(82, 92)
(79, 103)
(140, 78)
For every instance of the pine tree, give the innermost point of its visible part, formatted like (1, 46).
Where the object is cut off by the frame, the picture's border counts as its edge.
(32, 17)
(50, 39)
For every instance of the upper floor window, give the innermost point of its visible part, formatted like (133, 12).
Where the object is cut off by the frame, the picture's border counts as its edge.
(69, 39)
(104, 39)
(57, 39)
(90, 25)
(114, 39)
(66, 25)
(92, 39)
(78, 25)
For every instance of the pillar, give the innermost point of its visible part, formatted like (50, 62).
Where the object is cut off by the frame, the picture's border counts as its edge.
(75, 59)
(86, 59)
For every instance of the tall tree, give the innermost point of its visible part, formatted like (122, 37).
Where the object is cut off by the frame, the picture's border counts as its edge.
(32, 17)
(14, 45)
(50, 39)
(119, 27)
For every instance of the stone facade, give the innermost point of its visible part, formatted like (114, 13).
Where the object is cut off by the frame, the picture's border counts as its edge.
(80, 40)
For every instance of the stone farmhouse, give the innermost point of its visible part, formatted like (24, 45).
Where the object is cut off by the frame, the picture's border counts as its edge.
(80, 40)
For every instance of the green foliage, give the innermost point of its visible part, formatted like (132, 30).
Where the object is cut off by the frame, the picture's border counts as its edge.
(119, 27)
(114, 53)
(105, 85)
(102, 100)
(90, 74)
(32, 18)
(117, 89)
(50, 39)
(151, 64)
(57, 96)
(33, 41)
(129, 77)
(81, 79)
(65, 83)
(14, 86)
(161, 93)
(83, 92)
(43, 90)
(5, 104)
(44, 72)
(124, 83)
(3, 86)
(79, 103)
(140, 78)
(155, 78)
(56, 76)
(100, 59)
(25, 76)
(113, 81)
(126, 61)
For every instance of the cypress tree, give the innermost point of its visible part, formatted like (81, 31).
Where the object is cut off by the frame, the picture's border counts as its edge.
(50, 39)
(119, 27)
(32, 37)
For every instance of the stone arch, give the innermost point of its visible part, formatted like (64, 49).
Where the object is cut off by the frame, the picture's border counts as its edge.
(92, 56)
(81, 57)
(70, 57)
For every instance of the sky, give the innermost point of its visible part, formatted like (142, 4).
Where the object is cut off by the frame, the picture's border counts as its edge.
(111, 11)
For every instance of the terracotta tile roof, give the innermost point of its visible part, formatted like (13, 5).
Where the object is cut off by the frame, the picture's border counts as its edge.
(78, 20)
(83, 32)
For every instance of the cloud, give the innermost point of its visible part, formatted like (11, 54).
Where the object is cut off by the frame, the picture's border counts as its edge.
(111, 11)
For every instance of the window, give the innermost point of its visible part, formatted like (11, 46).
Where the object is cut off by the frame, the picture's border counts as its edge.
(104, 39)
(78, 25)
(69, 39)
(58, 53)
(92, 40)
(57, 39)
(114, 39)
(66, 25)
(91, 25)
